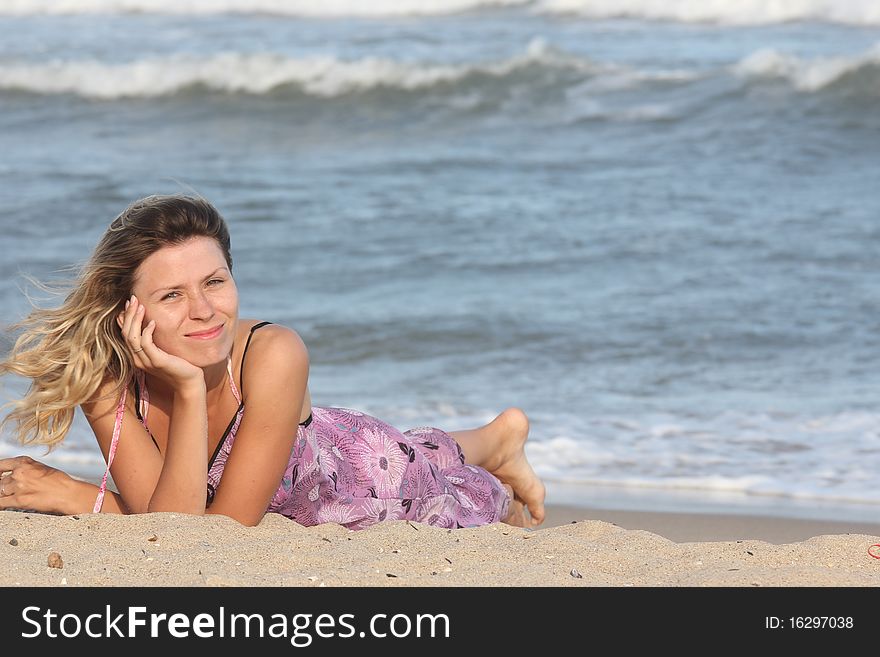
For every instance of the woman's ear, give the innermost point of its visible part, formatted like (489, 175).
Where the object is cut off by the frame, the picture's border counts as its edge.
(120, 318)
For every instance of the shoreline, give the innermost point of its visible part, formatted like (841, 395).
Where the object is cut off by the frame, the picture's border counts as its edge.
(686, 527)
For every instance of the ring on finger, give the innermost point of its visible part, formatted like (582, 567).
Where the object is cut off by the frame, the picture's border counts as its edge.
(138, 350)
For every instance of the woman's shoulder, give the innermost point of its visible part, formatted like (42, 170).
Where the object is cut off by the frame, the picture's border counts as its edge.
(255, 329)
(105, 398)
(270, 344)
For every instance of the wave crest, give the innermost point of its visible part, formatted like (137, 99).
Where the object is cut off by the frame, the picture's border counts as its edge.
(748, 12)
(741, 12)
(264, 73)
(815, 75)
(302, 8)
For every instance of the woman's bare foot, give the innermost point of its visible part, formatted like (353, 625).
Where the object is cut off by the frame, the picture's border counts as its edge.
(508, 433)
(516, 512)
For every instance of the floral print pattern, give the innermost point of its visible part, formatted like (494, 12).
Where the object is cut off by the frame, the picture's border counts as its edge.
(356, 470)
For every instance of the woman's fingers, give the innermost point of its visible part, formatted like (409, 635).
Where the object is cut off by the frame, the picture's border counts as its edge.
(148, 350)
(6, 487)
(135, 327)
(147, 336)
(131, 307)
(133, 331)
(23, 481)
(128, 320)
(7, 481)
(6, 465)
(146, 354)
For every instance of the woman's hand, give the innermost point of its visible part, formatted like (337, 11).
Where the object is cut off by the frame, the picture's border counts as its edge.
(147, 356)
(29, 484)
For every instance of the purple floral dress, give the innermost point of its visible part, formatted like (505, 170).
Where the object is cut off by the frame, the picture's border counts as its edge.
(355, 470)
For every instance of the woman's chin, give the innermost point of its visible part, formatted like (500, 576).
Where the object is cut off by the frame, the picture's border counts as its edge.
(204, 354)
(204, 357)
(204, 361)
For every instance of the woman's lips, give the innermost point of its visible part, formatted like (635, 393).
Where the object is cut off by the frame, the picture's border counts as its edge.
(206, 335)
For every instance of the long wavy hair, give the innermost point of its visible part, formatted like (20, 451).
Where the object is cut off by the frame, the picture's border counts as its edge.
(69, 351)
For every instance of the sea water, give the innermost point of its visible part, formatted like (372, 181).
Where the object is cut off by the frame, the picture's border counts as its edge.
(653, 226)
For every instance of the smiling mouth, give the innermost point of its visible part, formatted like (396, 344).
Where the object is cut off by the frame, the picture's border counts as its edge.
(206, 335)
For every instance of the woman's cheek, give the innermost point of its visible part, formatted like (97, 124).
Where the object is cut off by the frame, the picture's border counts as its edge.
(231, 300)
(159, 336)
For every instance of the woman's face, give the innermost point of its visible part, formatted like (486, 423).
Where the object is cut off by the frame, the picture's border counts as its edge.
(188, 289)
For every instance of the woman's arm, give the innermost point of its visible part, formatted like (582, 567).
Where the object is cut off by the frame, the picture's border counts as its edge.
(183, 480)
(81, 495)
(30, 484)
(137, 463)
(145, 480)
(35, 486)
(273, 386)
(183, 472)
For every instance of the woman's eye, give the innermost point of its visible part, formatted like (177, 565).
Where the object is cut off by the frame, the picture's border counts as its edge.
(212, 282)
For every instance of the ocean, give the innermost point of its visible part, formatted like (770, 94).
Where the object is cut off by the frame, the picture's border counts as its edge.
(652, 226)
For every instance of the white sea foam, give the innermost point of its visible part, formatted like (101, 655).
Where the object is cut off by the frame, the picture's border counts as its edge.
(326, 8)
(792, 457)
(754, 456)
(805, 75)
(322, 76)
(559, 456)
(741, 12)
(735, 484)
(749, 12)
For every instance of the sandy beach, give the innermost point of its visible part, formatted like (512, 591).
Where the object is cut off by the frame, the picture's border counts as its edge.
(578, 547)
(652, 228)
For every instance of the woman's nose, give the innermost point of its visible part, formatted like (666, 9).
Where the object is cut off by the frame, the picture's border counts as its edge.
(200, 306)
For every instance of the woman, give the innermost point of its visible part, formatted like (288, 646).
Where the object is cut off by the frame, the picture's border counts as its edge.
(198, 411)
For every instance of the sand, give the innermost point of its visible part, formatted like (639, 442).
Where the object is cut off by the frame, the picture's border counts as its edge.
(600, 548)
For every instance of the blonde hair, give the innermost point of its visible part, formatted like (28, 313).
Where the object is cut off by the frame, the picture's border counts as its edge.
(69, 351)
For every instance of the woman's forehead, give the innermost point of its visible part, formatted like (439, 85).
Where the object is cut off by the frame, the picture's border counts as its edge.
(196, 257)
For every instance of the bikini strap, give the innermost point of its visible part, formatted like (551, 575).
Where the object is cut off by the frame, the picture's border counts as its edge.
(232, 380)
(145, 399)
(117, 427)
(141, 396)
(241, 368)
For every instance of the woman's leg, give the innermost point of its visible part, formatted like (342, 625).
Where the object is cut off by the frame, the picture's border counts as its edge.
(499, 447)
